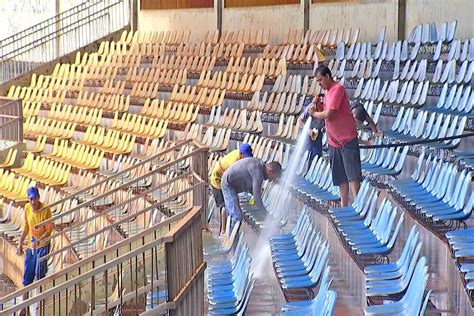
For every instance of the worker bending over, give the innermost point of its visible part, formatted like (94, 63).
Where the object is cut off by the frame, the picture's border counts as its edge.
(246, 175)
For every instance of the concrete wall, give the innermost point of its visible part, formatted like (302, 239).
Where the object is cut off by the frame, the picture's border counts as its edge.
(199, 21)
(279, 19)
(425, 11)
(368, 15)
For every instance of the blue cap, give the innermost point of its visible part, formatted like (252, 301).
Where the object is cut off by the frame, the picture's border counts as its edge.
(32, 193)
(246, 150)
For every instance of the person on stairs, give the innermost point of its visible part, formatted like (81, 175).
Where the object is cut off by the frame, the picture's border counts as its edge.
(246, 175)
(39, 246)
(224, 163)
(341, 130)
(314, 141)
(361, 117)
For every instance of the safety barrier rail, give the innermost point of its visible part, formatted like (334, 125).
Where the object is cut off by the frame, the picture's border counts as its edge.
(60, 35)
(11, 123)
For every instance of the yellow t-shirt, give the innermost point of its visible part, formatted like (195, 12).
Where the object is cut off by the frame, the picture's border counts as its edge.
(221, 166)
(33, 218)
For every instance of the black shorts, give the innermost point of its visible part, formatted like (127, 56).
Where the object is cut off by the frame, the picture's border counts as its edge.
(218, 197)
(345, 163)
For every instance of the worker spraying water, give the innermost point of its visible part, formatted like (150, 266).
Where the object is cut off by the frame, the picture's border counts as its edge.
(341, 130)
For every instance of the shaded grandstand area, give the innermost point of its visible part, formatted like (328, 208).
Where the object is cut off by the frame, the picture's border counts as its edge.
(121, 138)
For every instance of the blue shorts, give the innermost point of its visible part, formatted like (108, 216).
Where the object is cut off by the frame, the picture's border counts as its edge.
(32, 270)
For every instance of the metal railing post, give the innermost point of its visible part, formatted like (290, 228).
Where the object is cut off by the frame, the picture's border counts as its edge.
(11, 127)
(185, 280)
(200, 196)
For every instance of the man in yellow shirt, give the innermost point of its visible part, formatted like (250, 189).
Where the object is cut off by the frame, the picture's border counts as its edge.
(218, 170)
(38, 246)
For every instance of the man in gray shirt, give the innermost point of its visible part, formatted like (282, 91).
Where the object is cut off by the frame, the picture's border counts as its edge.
(246, 175)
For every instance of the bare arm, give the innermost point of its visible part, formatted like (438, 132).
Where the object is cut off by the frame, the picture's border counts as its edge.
(300, 121)
(257, 192)
(366, 142)
(327, 114)
(20, 243)
(372, 124)
(24, 233)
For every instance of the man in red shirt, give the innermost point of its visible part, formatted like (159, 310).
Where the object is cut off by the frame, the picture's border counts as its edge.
(341, 130)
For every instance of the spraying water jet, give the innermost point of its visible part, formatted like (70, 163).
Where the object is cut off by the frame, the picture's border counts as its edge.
(262, 253)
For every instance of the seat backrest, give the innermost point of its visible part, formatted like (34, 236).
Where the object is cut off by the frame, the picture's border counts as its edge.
(463, 102)
(369, 208)
(7, 215)
(451, 31)
(382, 214)
(464, 190)
(398, 119)
(409, 247)
(429, 126)
(447, 123)
(425, 303)
(418, 128)
(401, 159)
(361, 195)
(459, 130)
(437, 126)
(467, 210)
(394, 236)
(386, 228)
(414, 294)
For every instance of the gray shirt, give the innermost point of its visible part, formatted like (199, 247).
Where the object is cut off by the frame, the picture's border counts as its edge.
(246, 175)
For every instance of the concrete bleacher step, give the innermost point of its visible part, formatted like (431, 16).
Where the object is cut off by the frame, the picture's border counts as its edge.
(440, 301)
(347, 303)
(267, 298)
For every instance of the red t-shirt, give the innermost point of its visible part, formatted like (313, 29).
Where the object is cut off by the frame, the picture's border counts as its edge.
(341, 128)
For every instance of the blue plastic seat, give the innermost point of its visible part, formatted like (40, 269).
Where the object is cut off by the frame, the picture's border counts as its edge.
(291, 235)
(397, 285)
(311, 279)
(412, 301)
(356, 206)
(300, 256)
(393, 270)
(322, 304)
(317, 183)
(230, 282)
(438, 190)
(372, 235)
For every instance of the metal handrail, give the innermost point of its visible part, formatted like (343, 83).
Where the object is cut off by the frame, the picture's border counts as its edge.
(84, 262)
(137, 241)
(54, 34)
(60, 35)
(184, 222)
(128, 184)
(28, 29)
(11, 119)
(115, 223)
(79, 279)
(115, 176)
